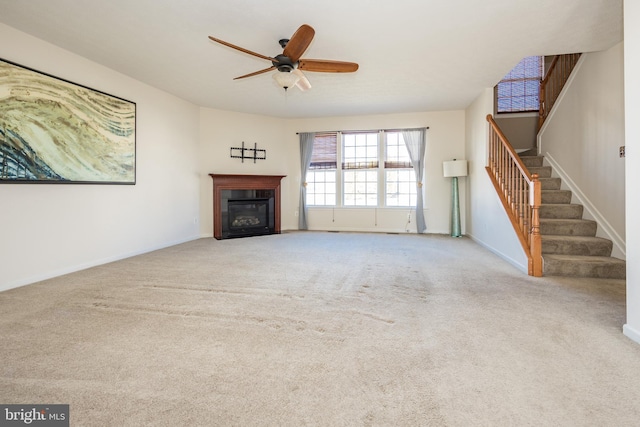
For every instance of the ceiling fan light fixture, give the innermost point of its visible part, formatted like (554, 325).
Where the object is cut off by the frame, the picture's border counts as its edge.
(290, 62)
(286, 79)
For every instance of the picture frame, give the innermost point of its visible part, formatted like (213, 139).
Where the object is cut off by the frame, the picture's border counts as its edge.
(55, 131)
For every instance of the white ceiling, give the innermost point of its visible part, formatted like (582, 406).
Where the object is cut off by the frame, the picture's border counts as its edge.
(414, 55)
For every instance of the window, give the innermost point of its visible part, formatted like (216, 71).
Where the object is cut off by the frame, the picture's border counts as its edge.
(321, 177)
(321, 188)
(519, 90)
(361, 178)
(400, 178)
(360, 169)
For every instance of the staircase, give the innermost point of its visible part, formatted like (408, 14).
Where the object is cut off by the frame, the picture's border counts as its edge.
(569, 243)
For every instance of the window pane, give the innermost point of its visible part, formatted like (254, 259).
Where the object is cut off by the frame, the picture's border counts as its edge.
(519, 90)
(360, 150)
(401, 187)
(360, 188)
(400, 182)
(406, 175)
(349, 152)
(324, 154)
(504, 91)
(396, 153)
(349, 187)
(321, 188)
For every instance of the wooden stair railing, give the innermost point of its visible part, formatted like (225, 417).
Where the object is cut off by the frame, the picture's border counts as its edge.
(520, 193)
(553, 82)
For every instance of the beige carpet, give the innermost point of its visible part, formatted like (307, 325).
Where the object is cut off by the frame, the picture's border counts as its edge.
(321, 329)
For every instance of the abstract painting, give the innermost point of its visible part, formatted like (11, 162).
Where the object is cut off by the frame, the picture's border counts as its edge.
(55, 131)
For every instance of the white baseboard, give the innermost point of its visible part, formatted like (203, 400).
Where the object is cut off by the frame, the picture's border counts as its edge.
(631, 333)
(522, 267)
(604, 227)
(84, 266)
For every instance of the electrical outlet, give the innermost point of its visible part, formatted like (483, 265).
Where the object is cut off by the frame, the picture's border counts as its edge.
(622, 151)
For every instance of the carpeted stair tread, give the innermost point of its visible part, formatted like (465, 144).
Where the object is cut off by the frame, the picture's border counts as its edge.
(570, 227)
(531, 152)
(569, 245)
(550, 183)
(532, 161)
(542, 171)
(584, 266)
(556, 196)
(576, 245)
(561, 210)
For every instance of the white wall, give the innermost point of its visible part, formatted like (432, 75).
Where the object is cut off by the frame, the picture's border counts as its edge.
(632, 138)
(581, 140)
(219, 131)
(487, 222)
(519, 128)
(49, 230)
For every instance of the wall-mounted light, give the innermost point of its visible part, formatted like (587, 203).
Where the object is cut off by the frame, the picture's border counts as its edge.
(454, 169)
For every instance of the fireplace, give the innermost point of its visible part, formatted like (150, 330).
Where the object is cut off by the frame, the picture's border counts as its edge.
(245, 205)
(247, 217)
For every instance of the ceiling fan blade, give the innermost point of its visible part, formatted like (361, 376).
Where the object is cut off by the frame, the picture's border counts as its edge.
(241, 49)
(327, 66)
(302, 83)
(255, 73)
(299, 42)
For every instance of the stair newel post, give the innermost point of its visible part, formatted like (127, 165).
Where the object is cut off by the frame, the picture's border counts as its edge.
(535, 199)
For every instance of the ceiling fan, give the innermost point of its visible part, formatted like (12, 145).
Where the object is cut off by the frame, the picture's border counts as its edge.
(290, 64)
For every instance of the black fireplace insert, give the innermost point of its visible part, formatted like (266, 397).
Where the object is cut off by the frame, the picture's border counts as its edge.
(248, 217)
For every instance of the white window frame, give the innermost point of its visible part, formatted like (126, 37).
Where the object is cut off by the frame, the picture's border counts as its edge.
(380, 170)
(358, 166)
(312, 195)
(396, 165)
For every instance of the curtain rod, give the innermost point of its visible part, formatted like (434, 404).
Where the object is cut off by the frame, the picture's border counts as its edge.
(370, 130)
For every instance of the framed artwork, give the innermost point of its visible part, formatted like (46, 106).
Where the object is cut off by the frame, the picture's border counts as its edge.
(55, 131)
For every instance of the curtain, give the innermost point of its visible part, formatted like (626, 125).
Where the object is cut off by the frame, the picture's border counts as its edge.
(416, 145)
(306, 150)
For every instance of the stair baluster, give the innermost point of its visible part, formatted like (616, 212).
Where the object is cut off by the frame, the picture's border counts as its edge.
(553, 82)
(519, 192)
